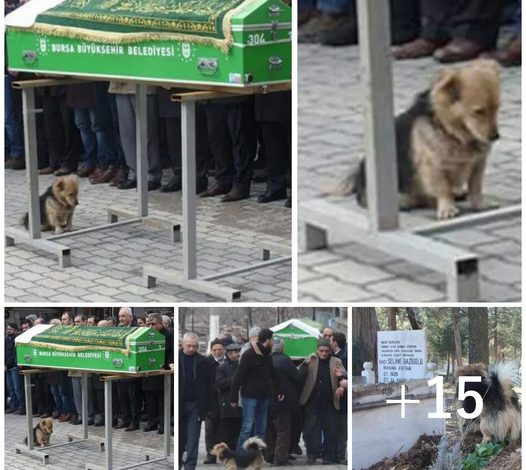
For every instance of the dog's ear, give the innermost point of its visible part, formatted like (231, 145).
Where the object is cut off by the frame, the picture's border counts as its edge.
(75, 178)
(59, 184)
(447, 84)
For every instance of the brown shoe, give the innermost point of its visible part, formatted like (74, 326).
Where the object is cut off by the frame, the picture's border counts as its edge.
(304, 16)
(65, 418)
(86, 171)
(458, 50)
(47, 171)
(120, 177)
(236, 195)
(509, 55)
(415, 49)
(132, 427)
(63, 171)
(105, 176)
(215, 190)
(312, 30)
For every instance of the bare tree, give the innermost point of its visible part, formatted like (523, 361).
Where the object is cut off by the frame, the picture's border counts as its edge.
(455, 312)
(364, 337)
(478, 335)
(392, 312)
(413, 318)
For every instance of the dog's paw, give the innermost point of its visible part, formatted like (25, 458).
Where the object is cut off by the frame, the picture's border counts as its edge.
(446, 210)
(59, 230)
(478, 203)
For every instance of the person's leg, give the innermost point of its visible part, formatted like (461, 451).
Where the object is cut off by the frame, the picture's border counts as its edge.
(19, 388)
(328, 429)
(77, 396)
(72, 142)
(194, 432)
(282, 425)
(154, 158)
(55, 392)
(172, 127)
(52, 123)
(296, 429)
(261, 418)
(126, 116)
(274, 137)
(124, 404)
(248, 420)
(210, 437)
(102, 126)
(220, 147)
(13, 120)
(13, 400)
(270, 438)
(243, 135)
(135, 402)
(89, 140)
(312, 430)
(341, 436)
(183, 431)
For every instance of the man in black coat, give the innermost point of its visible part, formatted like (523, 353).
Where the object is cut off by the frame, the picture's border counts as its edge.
(194, 380)
(230, 417)
(17, 404)
(288, 385)
(154, 386)
(216, 357)
(253, 378)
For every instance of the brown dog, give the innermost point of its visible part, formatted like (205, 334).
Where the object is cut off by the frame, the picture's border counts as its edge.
(57, 205)
(42, 432)
(249, 456)
(443, 141)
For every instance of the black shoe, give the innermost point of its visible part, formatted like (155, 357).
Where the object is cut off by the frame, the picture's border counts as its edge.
(210, 460)
(175, 184)
(91, 422)
(269, 196)
(151, 427)
(76, 422)
(291, 457)
(297, 450)
(153, 185)
(121, 426)
(98, 423)
(346, 34)
(160, 431)
(132, 427)
(18, 164)
(201, 185)
(128, 184)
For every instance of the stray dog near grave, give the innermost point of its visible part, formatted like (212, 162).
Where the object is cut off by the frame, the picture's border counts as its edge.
(42, 432)
(249, 456)
(443, 141)
(501, 413)
(57, 205)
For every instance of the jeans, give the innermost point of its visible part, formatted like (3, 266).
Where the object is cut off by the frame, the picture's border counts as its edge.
(55, 391)
(14, 134)
(254, 418)
(335, 7)
(189, 433)
(14, 386)
(66, 394)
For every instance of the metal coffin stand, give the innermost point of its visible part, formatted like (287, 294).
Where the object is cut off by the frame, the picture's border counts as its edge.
(41, 453)
(188, 278)
(379, 229)
(106, 444)
(34, 238)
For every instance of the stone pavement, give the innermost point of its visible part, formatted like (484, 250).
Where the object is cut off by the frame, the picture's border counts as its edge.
(128, 447)
(330, 143)
(299, 463)
(107, 265)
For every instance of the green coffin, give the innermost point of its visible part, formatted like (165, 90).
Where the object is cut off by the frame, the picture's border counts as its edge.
(102, 349)
(299, 337)
(236, 43)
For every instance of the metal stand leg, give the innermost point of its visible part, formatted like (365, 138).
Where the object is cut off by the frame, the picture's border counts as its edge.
(315, 237)
(141, 131)
(108, 421)
(84, 388)
(166, 411)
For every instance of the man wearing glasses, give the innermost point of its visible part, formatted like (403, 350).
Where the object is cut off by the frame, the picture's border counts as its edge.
(321, 398)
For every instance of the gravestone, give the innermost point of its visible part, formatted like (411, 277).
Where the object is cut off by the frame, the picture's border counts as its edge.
(401, 355)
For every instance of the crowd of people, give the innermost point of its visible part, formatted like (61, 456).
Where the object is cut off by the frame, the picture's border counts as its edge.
(58, 394)
(90, 129)
(256, 389)
(449, 30)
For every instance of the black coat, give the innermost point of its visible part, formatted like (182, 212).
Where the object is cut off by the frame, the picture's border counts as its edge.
(274, 107)
(213, 397)
(10, 351)
(342, 356)
(224, 378)
(254, 374)
(202, 377)
(288, 383)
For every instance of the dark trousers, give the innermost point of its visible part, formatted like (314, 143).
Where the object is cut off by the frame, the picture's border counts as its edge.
(44, 398)
(229, 429)
(173, 143)
(341, 436)
(211, 432)
(232, 139)
(189, 432)
(319, 431)
(154, 407)
(129, 399)
(276, 142)
(278, 437)
(62, 136)
(477, 20)
(296, 429)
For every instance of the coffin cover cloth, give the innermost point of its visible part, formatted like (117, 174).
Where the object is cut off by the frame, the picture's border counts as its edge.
(84, 338)
(127, 21)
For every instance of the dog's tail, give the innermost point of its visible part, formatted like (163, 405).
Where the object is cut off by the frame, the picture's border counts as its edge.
(254, 443)
(501, 379)
(353, 183)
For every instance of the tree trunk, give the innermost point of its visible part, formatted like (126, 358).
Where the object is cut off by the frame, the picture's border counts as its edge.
(495, 335)
(364, 338)
(391, 320)
(456, 333)
(478, 335)
(412, 315)
(182, 321)
(447, 370)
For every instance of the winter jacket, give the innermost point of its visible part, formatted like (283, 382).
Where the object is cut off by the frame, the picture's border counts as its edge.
(223, 382)
(202, 383)
(288, 384)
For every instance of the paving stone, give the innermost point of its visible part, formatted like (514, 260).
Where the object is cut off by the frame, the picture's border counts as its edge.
(403, 289)
(332, 290)
(351, 271)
